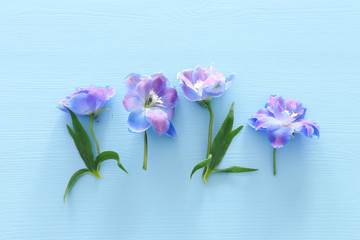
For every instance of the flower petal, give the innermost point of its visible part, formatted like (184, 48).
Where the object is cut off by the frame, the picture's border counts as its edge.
(90, 88)
(171, 131)
(268, 123)
(164, 129)
(132, 80)
(295, 108)
(215, 90)
(280, 105)
(189, 93)
(212, 69)
(188, 74)
(159, 82)
(229, 80)
(62, 104)
(306, 128)
(280, 111)
(169, 111)
(210, 81)
(185, 80)
(292, 105)
(263, 112)
(100, 95)
(137, 121)
(280, 136)
(301, 114)
(212, 72)
(272, 102)
(78, 90)
(82, 104)
(199, 74)
(252, 122)
(144, 86)
(110, 91)
(169, 97)
(132, 102)
(158, 119)
(284, 116)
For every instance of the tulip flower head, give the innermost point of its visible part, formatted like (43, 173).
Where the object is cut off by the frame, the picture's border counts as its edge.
(151, 102)
(281, 119)
(201, 85)
(87, 102)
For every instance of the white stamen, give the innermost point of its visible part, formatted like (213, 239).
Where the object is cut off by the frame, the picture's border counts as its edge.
(292, 114)
(154, 99)
(198, 84)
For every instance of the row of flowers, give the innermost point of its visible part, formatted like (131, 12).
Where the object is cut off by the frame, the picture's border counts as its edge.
(151, 101)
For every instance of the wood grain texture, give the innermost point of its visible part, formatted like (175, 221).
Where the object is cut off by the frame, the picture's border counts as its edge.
(307, 50)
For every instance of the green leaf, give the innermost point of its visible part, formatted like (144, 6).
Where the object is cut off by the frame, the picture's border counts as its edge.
(72, 133)
(201, 165)
(223, 139)
(235, 169)
(107, 155)
(207, 173)
(73, 179)
(235, 132)
(102, 110)
(77, 142)
(82, 141)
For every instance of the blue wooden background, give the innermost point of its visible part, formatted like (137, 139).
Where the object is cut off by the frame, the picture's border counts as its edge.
(307, 50)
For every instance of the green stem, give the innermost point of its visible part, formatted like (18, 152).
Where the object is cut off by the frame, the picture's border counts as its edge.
(208, 106)
(96, 174)
(207, 174)
(274, 155)
(92, 116)
(210, 129)
(145, 151)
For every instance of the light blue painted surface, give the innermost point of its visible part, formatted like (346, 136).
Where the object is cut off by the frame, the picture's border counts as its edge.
(306, 50)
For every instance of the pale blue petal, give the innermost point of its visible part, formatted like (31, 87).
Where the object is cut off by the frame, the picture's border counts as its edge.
(189, 93)
(280, 136)
(229, 80)
(171, 131)
(215, 90)
(137, 121)
(133, 103)
(158, 118)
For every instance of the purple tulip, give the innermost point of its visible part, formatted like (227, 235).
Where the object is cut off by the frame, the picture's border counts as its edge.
(151, 102)
(203, 83)
(281, 119)
(88, 101)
